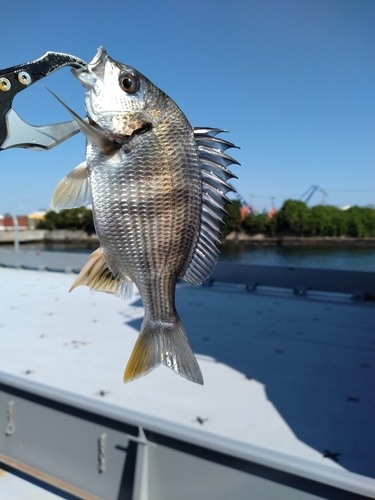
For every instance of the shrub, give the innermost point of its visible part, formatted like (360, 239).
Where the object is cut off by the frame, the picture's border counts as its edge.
(74, 219)
(294, 217)
(233, 219)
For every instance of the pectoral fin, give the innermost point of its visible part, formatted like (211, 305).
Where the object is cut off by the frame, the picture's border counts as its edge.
(97, 275)
(73, 190)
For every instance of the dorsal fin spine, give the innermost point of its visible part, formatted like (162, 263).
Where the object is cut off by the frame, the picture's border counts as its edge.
(214, 162)
(219, 156)
(218, 143)
(214, 223)
(215, 193)
(216, 181)
(216, 206)
(221, 171)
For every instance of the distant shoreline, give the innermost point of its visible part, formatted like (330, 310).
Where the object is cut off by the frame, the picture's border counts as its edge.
(237, 238)
(233, 238)
(44, 236)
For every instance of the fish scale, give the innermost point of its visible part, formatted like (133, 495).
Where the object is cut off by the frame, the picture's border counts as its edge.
(158, 190)
(152, 224)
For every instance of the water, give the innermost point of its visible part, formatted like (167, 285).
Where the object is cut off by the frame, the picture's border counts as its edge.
(57, 247)
(346, 258)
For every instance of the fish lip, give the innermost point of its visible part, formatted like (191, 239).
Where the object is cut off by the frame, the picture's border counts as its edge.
(86, 73)
(98, 58)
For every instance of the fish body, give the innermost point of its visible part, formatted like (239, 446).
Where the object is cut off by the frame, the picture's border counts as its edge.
(157, 189)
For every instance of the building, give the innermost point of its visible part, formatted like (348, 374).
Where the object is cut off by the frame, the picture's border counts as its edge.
(7, 223)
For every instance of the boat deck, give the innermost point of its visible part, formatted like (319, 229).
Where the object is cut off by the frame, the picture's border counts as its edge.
(293, 374)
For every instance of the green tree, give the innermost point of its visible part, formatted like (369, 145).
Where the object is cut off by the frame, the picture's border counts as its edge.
(361, 222)
(74, 219)
(233, 219)
(294, 217)
(327, 221)
(261, 223)
(368, 215)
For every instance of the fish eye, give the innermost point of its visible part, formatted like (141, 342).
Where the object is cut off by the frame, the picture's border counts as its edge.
(129, 83)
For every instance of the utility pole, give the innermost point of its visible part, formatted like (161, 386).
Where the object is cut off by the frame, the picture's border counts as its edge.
(15, 229)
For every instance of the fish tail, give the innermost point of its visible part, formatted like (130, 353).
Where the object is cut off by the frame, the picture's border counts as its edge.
(161, 342)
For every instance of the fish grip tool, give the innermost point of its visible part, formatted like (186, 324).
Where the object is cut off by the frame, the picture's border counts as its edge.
(14, 132)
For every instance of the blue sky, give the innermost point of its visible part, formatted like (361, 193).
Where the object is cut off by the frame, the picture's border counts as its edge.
(292, 80)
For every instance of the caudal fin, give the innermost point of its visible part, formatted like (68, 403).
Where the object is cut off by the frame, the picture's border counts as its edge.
(163, 343)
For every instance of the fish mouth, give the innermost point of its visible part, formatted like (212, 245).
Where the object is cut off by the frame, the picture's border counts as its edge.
(88, 73)
(110, 142)
(99, 57)
(100, 136)
(121, 138)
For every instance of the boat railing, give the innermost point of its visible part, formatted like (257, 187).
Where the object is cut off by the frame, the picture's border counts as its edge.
(360, 285)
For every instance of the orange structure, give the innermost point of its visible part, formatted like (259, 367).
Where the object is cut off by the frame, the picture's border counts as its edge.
(244, 211)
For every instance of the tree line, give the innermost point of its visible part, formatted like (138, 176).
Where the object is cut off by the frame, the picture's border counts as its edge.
(72, 219)
(295, 218)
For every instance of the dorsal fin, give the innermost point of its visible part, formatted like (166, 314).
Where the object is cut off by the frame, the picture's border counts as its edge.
(97, 275)
(73, 190)
(214, 162)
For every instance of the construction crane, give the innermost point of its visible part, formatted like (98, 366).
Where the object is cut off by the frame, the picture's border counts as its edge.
(306, 196)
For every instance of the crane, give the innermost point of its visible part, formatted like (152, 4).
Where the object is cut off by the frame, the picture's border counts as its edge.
(306, 196)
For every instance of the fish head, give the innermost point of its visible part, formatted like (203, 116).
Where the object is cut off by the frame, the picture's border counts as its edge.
(119, 99)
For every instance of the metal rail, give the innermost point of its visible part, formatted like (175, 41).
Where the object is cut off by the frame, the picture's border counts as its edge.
(43, 261)
(359, 284)
(97, 451)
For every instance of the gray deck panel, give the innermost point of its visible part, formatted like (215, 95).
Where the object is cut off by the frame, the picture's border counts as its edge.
(286, 373)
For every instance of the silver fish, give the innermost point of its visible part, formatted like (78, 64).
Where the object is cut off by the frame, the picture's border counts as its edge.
(158, 189)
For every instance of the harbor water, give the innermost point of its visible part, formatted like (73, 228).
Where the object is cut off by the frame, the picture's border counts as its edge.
(337, 257)
(344, 258)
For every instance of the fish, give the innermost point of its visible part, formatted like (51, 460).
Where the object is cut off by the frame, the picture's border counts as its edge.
(158, 188)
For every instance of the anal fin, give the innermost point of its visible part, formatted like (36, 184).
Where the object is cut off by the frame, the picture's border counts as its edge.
(97, 275)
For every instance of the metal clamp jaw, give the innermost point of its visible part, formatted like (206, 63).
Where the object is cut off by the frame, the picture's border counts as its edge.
(14, 132)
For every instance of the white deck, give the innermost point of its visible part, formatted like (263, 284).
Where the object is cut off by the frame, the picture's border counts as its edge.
(287, 373)
(16, 488)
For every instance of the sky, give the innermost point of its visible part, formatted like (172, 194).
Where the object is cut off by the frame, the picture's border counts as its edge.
(292, 80)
